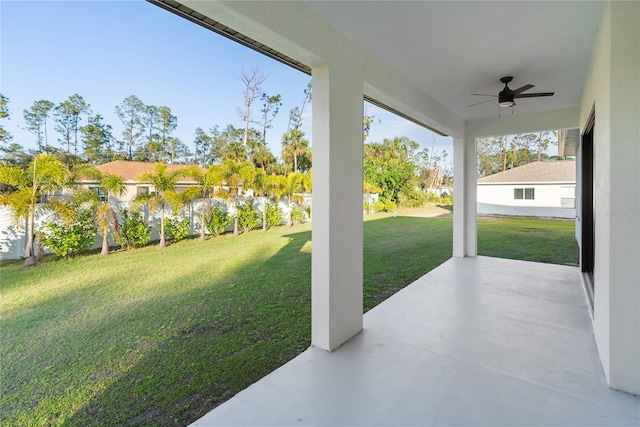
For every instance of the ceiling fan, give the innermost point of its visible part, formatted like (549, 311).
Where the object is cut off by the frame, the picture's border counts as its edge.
(506, 97)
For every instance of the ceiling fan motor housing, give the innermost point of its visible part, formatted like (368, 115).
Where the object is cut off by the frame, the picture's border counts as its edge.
(506, 96)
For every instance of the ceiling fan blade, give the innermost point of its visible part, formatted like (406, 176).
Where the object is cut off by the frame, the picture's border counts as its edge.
(483, 94)
(483, 102)
(522, 89)
(534, 95)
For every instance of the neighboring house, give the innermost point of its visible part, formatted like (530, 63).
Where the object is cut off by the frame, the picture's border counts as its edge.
(545, 189)
(130, 171)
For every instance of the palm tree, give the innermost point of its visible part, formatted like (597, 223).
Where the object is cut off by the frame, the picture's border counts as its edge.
(45, 174)
(164, 195)
(293, 184)
(105, 214)
(274, 186)
(237, 176)
(294, 144)
(209, 184)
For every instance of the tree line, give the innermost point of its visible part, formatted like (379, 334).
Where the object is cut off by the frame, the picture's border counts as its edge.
(148, 133)
(500, 153)
(85, 213)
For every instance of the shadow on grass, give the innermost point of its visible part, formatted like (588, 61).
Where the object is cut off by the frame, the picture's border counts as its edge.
(249, 323)
(170, 355)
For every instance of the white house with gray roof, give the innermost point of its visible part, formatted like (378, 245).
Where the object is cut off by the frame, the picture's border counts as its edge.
(544, 189)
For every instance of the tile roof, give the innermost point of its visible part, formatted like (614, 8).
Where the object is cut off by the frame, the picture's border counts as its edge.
(130, 170)
(558, 171)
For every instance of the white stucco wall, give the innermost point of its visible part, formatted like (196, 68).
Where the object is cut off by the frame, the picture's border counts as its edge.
(613, 88)
(499, 199)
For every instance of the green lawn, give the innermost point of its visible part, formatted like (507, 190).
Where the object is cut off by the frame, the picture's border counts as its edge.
(529, 239)
(160, 337)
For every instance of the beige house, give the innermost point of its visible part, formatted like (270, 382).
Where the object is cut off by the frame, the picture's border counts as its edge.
(130, 171)
(544, 189)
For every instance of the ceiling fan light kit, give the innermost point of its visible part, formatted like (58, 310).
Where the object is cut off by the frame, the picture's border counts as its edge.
(506, 97)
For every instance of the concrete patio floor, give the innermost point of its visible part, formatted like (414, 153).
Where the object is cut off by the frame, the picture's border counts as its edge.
(477, 341)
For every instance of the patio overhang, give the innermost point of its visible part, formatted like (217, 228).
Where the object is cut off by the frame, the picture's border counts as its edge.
(588, 53)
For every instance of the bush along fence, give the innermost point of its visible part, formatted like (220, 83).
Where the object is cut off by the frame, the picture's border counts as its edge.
(132, 226)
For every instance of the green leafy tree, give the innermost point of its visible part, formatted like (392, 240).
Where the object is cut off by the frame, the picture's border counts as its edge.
(152, 150)
(167, 123)
(202, 143)
(45, 174)
(229, 144)
(131, 113)
(14, 154)
(165, 196)
(178, 151)
(5, 135)
(96, 139)
(262, 157)
(296, 113)
(67, 116)
(270, 107)
(36, 120)
(391, 165)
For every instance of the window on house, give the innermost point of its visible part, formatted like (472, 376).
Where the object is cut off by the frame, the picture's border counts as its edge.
(524, 193)
(51, 195)
(529, 194)
(100, 192)
(142, 190)
(567, 197)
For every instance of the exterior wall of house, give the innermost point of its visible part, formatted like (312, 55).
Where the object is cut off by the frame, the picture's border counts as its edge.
(613, 90)
(499, 199)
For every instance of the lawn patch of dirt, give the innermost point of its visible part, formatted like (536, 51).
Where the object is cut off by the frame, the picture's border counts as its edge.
(427, 211)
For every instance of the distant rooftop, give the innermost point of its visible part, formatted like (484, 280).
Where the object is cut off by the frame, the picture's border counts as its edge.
(130, 170)
(558, 171)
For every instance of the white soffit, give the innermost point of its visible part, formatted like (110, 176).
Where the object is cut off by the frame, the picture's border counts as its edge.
(451, 49)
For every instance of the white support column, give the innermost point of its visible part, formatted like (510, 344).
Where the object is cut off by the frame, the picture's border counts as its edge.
(336, 257)
(464, 197)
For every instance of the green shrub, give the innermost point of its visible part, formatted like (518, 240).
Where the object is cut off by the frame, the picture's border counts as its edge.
(272, 214)
(440, 200)
(218, 222)
(297, 214)
(383, 205)
(176, 229)
(69, 240)
(248, 218)
(415, 199)
(132, 231)
(389, 206)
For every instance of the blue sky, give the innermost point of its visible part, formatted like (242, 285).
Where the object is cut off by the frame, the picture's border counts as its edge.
(108, 50)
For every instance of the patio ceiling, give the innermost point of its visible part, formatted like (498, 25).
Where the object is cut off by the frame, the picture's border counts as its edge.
(451, 49)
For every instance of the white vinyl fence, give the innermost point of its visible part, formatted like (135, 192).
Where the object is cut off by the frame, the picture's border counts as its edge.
(13, 237)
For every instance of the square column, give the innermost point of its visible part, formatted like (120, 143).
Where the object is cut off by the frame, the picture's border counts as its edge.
(336, 256)
(465, 234)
